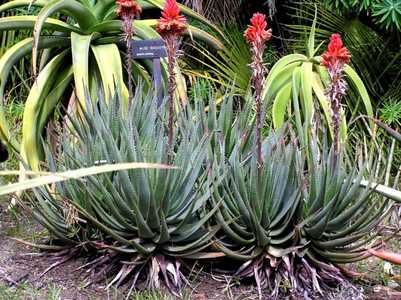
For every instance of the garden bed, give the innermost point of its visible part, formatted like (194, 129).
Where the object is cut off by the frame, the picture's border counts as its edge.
(21, 269)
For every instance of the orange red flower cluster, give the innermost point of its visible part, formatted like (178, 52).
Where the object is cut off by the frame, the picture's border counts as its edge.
(128, 8)
(257, 35)
(334, 60)
(171, 22)
(256, 32)
(336, 52)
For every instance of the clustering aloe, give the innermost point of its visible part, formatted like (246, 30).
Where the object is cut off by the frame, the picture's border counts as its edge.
(291, 223)
(277, 207)
(137, 220)
(292, 220)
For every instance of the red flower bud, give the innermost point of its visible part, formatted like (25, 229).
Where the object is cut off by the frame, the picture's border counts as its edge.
(256, 32)
(336, 52)
(128, 8)
(171, 21)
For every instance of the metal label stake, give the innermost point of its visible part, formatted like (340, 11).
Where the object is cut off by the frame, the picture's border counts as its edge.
(155, 50)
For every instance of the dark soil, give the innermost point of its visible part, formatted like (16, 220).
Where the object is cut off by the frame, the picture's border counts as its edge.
(22, 266)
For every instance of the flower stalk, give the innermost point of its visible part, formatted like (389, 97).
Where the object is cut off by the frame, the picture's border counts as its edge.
(257, 35)
(128, 10)
(170, 26)
(334, 59)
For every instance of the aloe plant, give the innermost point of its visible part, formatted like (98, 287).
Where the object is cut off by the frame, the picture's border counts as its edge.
(147, 220)
(291, 228)
(297, 86)
(259, 210)
(83, 50)
(289, 225)
(340, 214)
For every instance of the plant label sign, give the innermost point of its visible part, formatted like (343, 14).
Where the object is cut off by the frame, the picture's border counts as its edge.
(148, 49)
(155, 50)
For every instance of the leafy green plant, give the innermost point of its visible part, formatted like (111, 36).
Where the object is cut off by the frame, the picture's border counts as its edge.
(346, 6)
(387, 13)
(289, 225)
(297, 85)
(74, 51)
(226, 67)
(218, 11)
(390, 113)
(371, 53)
(229, 67)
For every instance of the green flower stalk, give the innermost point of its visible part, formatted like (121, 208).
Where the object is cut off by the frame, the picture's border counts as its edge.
(257, 36)
(170, 26)
(128, 10)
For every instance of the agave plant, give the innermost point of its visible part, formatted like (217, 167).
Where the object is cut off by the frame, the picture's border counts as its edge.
(138, 221)
(74, 48)
(291, 226)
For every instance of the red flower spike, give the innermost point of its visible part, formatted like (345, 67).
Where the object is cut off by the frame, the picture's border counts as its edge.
(334, 60)
(128, 8)
(171, 21)
(257, 35)
(336, 52)
(256, 32)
